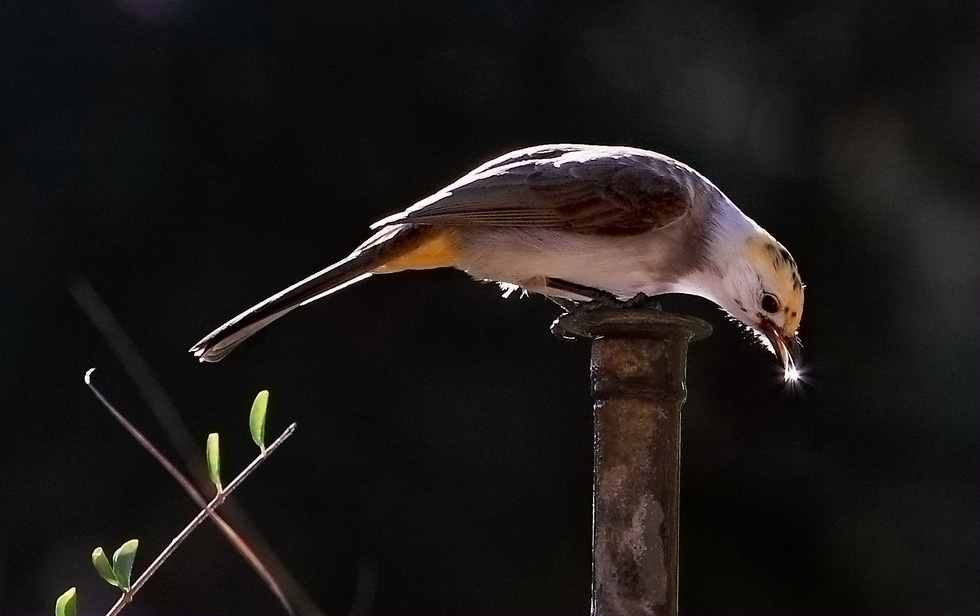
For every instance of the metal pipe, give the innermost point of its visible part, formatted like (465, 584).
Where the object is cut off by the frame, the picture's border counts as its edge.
(639, 361)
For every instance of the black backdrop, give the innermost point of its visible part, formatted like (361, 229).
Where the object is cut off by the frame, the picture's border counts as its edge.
(189, 158)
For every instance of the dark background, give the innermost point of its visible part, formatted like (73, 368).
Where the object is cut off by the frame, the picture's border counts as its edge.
(189, 158)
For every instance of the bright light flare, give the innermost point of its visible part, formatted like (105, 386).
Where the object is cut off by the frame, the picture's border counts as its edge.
(792, 374)
(796, 378)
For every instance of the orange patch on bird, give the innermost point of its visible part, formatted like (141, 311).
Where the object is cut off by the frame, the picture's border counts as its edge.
(435, 249)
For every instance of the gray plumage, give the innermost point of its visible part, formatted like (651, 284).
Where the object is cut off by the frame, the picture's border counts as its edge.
(588, 189)
(619, 219)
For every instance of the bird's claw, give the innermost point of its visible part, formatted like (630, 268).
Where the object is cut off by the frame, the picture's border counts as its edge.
(600, 300)
(558, 331)
(642, 300)
(608, 300)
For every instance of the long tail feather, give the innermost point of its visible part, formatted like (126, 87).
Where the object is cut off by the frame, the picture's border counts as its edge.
(358, 266)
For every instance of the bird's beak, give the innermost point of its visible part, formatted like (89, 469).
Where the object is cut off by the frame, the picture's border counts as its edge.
(786, 347)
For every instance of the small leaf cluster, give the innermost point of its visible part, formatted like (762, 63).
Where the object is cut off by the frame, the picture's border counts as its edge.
(119, 572)
(256, 425)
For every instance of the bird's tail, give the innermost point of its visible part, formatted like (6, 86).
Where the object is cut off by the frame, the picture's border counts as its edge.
(370, 257)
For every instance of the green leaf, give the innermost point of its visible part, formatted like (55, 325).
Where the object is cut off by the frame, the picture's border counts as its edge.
(256, 419)
(66, 604)
(103, 567)
(214, 460)
(122, 562)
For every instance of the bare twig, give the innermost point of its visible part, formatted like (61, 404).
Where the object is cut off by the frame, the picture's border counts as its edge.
(233, 537)
(208, 510)
(138, 370)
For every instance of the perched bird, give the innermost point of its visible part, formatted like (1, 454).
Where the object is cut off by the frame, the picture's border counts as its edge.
(574, 223)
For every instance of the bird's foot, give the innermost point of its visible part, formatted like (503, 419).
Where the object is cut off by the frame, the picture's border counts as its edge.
(558, 331)
(600, 299)
(593, 298)
(608, 300)
(641, 300)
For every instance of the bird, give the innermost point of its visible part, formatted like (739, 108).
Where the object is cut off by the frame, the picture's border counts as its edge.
(581, 225)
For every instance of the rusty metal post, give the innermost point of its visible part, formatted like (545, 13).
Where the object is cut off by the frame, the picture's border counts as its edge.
(639, 361)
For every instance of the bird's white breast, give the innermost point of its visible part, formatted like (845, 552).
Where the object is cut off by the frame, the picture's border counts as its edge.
(621, 265)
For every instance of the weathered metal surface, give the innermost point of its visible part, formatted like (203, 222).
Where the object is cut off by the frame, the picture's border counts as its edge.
(639, 361)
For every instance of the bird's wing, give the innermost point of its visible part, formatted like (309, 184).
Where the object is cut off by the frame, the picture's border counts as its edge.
(587, 189)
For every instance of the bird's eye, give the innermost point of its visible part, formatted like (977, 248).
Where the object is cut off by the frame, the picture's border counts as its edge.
(770, 303)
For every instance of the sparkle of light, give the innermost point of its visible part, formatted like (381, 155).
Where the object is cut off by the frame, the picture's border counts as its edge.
(792, 374)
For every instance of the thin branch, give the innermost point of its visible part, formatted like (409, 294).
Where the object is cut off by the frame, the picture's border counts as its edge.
(233, 537)
(138, 370)
(208, 510)
(255, 549)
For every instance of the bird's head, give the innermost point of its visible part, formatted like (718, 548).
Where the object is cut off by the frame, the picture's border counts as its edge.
(761, 286)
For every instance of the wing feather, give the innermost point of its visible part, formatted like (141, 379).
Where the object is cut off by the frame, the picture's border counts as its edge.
(587, 189)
